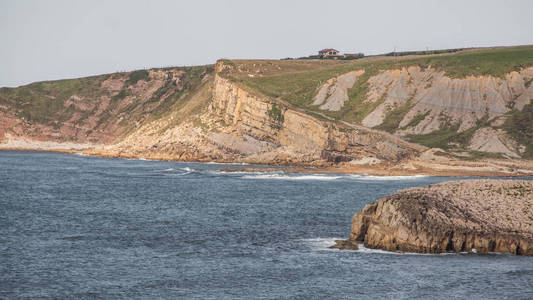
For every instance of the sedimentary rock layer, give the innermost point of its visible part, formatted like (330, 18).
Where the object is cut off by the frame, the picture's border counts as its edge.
(474, 216)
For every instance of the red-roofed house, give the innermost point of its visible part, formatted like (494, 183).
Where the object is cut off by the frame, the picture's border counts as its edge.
(328, 53)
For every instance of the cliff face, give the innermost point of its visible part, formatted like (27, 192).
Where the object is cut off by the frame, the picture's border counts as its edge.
(309, 112)
(477, 215)
(466, 103)
(414, 102)
(238, 125)
(94, 110)
(273, 131)
(442, 99)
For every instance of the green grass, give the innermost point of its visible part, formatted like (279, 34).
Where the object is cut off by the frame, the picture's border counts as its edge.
(417, 119)
(298, 88)
(436, 139)
(447, 137)
(276, 113)
(493, 62)
(44, 102)
(395, 115)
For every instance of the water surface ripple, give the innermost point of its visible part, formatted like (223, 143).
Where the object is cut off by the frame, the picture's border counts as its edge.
(83, 227)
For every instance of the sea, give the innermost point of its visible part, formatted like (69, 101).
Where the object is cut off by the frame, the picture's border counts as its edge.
(81, 227)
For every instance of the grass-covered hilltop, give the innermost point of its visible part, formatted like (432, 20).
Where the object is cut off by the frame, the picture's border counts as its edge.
(438, 101)
(426, 111)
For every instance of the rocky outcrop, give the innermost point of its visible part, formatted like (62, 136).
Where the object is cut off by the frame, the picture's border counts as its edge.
(474, 216)
(491, 140)
(282, 133)
(239, 125)
(443, 99)
(192, 114)
(418, 101)
(333, 93)
(94, 110)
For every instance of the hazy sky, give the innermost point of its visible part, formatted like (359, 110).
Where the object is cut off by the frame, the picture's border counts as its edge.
(44, 40)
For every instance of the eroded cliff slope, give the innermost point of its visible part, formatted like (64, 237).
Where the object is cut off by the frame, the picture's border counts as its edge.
(94, 110)
(465, 103)
(381, 112)
(239, 125)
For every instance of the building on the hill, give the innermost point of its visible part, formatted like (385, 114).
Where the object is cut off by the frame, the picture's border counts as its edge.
(328, 53)
(353, 55)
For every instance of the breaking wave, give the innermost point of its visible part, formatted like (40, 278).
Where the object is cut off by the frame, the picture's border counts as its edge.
(283, 176)
(223, 163)
(322, 244)
(292, 177)
(375, 177)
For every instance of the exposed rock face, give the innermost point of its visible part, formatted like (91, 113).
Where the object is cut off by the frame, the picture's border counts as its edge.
(425, 100)
(238, 125)
(445, 99)
(335, 91)
(490, 140)
(485, 215)
(280, 133)
(93, 110)
(192, 114)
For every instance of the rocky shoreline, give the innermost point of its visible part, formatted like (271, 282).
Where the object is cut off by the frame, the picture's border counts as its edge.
(480, 216)
(445, 168)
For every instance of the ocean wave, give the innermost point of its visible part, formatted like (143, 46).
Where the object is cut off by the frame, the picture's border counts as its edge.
(291, 177)
(223, 163)
(220, 172)
(323, 244)
(144, 159)
(375, 177)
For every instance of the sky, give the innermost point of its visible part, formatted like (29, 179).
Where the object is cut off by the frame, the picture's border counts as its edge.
(47, 40)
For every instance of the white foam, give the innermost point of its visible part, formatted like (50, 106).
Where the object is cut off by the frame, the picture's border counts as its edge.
(291, 177)
(321, 243)
(168, 170)
(223, 163)
(233, 172)
(374, 177)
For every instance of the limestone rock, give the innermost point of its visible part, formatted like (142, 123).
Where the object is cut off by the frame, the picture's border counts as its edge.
(474, 216)
(334, 92)
(490, 140)
(345, 245)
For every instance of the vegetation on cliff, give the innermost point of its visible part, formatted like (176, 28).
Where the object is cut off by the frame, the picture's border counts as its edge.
(260, 105)
(97, 109)
(520, 126)
(297, 82)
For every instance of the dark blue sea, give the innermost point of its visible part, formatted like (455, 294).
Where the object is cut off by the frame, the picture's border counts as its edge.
(78, 227)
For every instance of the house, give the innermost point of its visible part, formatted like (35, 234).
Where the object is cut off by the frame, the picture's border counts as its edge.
(328, 53)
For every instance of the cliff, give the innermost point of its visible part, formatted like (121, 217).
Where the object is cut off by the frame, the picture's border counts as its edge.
(464, 103)
(376, 115)
(93, 110)
(239, 125)
(464, 216)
